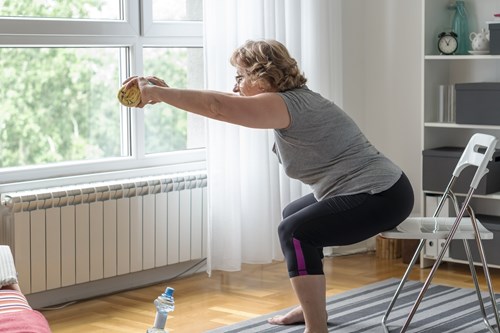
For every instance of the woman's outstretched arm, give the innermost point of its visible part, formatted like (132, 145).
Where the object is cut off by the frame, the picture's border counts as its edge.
(265, 110)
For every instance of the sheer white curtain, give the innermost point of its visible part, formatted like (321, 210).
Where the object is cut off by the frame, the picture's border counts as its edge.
(247, 188)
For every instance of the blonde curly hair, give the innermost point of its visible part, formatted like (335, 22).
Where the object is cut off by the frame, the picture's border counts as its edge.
(268, 60)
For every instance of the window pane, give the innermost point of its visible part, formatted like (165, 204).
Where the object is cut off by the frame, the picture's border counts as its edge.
(177, 10)
(167, 128)
(82, 9)
(58, 104)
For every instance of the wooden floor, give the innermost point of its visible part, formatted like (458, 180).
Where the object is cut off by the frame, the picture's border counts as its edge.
(204, 303)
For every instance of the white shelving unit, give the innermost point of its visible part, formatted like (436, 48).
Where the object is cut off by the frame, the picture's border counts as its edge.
(447, 70)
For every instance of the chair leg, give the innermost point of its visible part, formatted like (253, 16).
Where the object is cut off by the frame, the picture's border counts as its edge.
(434, 268)
(486, 275)
(447, 194)
(423, 290)
(474, 277)
(478, 289)
(492, 294)
(414, 259)
(472, 267)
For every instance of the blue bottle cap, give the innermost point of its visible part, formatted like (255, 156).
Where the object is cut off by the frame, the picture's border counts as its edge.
(169, 292)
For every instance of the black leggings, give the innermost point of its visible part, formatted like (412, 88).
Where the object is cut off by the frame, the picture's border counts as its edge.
(309, 225)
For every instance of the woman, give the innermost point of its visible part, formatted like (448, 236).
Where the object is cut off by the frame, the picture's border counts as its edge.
(357, 192)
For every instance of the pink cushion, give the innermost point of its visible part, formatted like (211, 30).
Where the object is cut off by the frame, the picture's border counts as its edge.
(24, 321)
(16, 315)
(12, 300)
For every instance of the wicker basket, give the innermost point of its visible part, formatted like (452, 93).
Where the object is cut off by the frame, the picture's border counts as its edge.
(388, 248)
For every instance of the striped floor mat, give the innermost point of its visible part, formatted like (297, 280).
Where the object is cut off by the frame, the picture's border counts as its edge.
(444, 309)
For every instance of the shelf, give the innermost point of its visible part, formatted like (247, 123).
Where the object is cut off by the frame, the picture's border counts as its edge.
(463, 57)
(446, 70)
(454, 125)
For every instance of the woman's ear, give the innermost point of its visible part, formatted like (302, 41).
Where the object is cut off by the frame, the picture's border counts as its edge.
(263, 85)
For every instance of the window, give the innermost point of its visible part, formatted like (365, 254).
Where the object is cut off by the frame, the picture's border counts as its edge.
(62, 64)
(101, 9)
(177, 10)
(183, 67)
(57, 105)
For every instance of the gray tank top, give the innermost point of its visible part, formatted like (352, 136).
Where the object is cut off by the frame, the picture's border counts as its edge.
(325, 149)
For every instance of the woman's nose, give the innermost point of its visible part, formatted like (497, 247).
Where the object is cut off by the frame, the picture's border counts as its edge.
(236, 88)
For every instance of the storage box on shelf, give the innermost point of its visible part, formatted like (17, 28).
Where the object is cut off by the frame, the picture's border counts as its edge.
(494, 37)
(492, 223)
(478, 103)
(439, 163)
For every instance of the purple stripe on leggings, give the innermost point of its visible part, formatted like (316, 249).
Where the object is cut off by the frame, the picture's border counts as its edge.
(301, 263)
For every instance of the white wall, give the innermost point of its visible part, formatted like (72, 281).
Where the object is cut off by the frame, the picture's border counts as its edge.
(382, 43)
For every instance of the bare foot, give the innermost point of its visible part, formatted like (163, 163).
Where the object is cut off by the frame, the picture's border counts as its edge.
(295, 316)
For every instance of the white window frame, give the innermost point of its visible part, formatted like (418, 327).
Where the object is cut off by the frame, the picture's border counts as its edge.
(133, 33)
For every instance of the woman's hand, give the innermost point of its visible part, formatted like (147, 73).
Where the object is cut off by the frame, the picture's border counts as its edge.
(157, 81)
(145, 86)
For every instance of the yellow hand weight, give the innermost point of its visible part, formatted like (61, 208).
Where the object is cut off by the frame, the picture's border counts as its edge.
(129, 97)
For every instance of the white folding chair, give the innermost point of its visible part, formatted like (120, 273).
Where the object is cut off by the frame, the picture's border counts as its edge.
(478, 153)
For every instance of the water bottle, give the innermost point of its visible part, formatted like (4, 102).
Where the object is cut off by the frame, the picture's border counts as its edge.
(164, 304)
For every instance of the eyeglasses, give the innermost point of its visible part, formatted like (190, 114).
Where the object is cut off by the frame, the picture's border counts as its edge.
(238, 79)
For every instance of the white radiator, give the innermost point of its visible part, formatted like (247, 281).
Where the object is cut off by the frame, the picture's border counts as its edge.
(72, 235)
